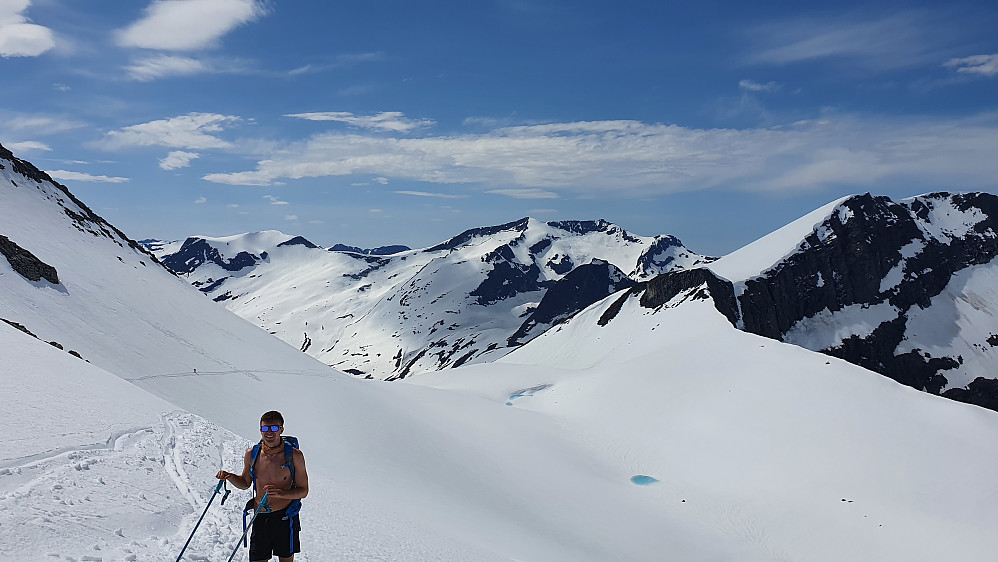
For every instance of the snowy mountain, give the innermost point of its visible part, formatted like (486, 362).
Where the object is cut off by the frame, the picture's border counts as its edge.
(620, 434)
(472, 297)
(908, 289)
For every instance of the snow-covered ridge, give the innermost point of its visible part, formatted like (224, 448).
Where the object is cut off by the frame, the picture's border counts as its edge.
(683, 435)
(867, 279)
(391, 316)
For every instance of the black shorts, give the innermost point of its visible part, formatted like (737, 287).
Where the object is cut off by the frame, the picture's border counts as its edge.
(272, 535)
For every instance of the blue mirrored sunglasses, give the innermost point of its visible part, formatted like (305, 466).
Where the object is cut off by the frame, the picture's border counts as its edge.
(266, 428)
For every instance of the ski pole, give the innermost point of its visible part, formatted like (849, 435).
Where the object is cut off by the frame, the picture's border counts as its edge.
(263, 507)
(205, 512)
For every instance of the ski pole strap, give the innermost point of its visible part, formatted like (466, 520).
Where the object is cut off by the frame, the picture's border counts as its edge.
(263, 504)
(218, 487)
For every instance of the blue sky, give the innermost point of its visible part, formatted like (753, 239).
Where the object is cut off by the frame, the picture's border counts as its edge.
(395, 122)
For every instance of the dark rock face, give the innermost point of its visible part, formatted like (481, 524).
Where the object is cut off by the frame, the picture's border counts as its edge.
(379, 251)
(845, 262)
(469, 235)
(662, 255)
(663, 288)
(508, 278)
(26, 264)
(587, 227)
(197, 251)
(982, 392)
(574, 292)
(297, 241)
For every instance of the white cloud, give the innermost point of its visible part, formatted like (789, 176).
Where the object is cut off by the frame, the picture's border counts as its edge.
(637, 159)
(751, 86)
(201, 200)
(393, 121)
(18, 37)
(27, 146)
(341, 61)
(39, 124)
(274, 200)
(184, 25)
(291, 217)
(79, 176)
(177, 159)
(381, 180)
(896, 41)
(525, 193)
(191, 131)
(985, 65)
(145, 69)
(436, 195)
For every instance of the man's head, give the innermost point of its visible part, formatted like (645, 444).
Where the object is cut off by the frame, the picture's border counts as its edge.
(268, 422)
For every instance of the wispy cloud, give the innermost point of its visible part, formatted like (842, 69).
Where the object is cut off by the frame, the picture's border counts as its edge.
(19, 37)
(39, 124)
(525, 193)
(341, 61)
(177, 159)
(79, 176)
(274, 200)
(985, 65)
(149, 68)
(27, 146)
(752, 86)
(435, 195)
(637, 159)
(393, 121)
(291, 217)
(894, 41)
(201, 200)
(185, 25)
(192, 131)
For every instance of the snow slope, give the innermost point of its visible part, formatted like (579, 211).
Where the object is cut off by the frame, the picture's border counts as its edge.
(804, 456)
(754, 448)
(109, 469)
(389, 317)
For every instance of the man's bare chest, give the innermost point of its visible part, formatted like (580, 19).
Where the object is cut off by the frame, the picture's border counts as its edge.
(272, 470)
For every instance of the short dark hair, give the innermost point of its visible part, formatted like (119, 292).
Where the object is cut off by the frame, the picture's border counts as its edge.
(272, 416)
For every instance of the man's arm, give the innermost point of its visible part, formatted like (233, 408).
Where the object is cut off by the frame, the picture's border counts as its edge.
(241, 481)
(301, 481)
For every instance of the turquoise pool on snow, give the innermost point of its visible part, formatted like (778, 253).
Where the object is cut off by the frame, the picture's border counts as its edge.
(643, 480)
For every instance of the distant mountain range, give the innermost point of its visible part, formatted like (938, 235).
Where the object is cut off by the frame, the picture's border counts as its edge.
(468, 299)
(904, 288)
(639, 384)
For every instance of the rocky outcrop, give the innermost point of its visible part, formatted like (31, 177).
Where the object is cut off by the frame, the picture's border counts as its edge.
(379, 251)
(197, 251)
(874, 252)
(26, 264)
(582, 287)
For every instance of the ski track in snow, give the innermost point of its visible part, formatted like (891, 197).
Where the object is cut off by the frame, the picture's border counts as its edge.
(81, 504)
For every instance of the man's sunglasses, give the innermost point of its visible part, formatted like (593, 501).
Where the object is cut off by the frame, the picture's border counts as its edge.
(266, 428)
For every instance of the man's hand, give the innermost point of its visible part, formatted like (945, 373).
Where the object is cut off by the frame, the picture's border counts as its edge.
(223, 475)
(274, 492)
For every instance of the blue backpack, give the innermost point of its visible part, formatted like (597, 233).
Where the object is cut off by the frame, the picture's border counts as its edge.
(290, 444)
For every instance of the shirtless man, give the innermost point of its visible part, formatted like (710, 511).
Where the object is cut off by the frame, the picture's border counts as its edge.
(273, 531)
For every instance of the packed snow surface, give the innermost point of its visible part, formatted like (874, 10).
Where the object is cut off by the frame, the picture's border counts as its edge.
(762, 451)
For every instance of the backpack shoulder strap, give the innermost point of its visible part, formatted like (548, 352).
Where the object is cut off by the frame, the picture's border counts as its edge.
(254, 454)
(289, 461)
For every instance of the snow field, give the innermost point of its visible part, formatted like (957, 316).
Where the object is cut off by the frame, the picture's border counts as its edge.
(769, 443)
